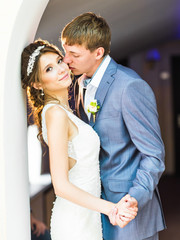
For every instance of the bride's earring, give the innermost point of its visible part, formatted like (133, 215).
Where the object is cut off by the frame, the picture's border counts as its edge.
(42, 92)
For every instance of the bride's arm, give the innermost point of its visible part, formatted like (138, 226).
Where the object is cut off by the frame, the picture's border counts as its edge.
(57, 133)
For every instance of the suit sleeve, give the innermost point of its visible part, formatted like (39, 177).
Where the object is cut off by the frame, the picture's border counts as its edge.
(141, 119)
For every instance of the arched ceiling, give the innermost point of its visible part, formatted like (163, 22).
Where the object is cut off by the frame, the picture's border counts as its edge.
(135, 24)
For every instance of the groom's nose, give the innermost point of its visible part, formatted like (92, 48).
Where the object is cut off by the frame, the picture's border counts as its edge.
(67, 59)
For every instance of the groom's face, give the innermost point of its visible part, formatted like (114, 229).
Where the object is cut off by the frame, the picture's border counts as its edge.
(80, 59)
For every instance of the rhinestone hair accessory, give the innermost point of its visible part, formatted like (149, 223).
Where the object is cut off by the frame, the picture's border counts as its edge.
(32, 59)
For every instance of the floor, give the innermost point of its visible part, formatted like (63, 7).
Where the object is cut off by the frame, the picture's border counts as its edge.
(169, 188)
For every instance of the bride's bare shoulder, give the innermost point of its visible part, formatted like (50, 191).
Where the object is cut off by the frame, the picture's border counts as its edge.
(56, 112)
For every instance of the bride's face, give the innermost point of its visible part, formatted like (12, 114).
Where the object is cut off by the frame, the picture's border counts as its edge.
(55, 74)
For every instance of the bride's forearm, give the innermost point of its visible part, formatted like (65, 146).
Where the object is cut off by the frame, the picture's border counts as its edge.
(57, 131)
(78, 196)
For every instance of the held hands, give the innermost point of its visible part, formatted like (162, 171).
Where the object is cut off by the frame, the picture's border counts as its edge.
(125, 211)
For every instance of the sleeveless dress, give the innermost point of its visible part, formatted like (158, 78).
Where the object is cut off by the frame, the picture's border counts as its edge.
(70, 221)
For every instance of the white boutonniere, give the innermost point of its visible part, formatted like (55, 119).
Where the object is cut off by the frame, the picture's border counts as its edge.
(93, 108)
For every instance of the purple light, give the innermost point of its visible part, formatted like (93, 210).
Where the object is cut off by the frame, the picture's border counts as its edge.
(153, 55)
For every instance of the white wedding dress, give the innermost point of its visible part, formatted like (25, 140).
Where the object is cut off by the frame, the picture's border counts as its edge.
(70, 221)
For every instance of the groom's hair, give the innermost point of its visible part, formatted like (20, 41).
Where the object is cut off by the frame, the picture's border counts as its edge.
(89, 30)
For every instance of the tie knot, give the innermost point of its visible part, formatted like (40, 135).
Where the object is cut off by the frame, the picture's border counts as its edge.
(87, 81)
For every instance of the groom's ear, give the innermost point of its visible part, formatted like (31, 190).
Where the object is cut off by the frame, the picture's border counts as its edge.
(99, 53)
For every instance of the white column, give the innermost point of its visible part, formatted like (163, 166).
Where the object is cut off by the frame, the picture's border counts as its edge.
(19, 21)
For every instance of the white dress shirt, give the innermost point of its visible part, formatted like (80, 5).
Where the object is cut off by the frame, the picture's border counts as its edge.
(93, 85)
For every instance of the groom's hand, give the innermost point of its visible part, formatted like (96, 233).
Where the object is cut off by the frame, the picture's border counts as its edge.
(125, 211)
(131, 202)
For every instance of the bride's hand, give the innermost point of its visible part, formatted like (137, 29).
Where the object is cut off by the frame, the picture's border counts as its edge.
(125, 211)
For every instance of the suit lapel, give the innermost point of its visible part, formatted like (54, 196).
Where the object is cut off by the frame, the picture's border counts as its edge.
(104, 85)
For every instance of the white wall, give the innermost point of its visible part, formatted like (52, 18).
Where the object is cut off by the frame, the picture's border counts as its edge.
(19, 22)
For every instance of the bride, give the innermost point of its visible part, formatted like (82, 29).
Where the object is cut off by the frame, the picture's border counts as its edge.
(73, 149)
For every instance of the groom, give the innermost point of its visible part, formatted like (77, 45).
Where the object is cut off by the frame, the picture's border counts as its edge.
(132, 151)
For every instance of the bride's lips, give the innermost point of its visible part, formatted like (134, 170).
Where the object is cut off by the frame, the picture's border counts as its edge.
(64, 77)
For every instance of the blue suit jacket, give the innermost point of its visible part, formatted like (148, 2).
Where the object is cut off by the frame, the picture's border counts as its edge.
(132, 151)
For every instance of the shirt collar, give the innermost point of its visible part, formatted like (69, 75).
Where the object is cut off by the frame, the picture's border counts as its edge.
(97, 76)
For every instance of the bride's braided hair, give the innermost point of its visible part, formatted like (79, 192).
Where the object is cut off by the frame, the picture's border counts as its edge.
(28, 77)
